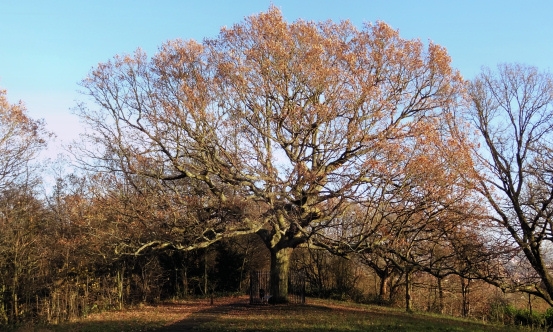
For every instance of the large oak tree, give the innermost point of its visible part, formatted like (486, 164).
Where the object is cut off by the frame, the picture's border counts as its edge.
(271, 127)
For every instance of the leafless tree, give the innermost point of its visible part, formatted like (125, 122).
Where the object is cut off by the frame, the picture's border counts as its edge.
(512, 108)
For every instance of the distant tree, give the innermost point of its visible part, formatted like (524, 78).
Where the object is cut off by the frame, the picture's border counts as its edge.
(386, 270)
(21, 252)
(271, 127)
(21, 139)
(423, 213)
(512, 108)
(21, 212)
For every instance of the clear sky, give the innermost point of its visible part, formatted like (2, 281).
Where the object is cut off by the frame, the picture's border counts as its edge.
(48, 46)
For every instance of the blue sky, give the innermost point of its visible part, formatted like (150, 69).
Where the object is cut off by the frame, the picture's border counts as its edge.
(48, 46)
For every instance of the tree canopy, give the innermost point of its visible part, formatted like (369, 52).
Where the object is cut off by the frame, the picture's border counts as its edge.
(271, 127)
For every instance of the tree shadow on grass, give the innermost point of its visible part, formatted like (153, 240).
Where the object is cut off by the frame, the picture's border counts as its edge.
(236, 314)
(239, 315)
(196, 319)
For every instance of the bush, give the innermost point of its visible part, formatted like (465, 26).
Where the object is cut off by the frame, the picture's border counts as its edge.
(548, 318)
(503, 312)
(527, 318)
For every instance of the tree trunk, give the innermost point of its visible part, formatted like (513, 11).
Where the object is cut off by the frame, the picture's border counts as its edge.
(3, 306)
(205, 272)
(120, 287)
(383, 294)
(15, 299)
(185, 281)
(465, 289)
(408, 300)
(440, 296)
(280, 268)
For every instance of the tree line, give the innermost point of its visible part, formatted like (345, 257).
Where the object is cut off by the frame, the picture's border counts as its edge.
(313, 146)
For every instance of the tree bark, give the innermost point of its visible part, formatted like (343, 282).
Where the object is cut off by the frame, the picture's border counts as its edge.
(408, 300)
(120, 287)
(383, 295)
(440, 296)
(465, 289)
(185, 281)
(280, 269)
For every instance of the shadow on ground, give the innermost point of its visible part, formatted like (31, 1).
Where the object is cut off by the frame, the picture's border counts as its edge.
(239, 315)
(236, 314)
(195, 320)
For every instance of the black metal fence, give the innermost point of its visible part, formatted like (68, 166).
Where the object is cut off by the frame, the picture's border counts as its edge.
(260, 285)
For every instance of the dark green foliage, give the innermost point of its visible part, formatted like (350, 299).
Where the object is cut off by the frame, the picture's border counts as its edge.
(222, 268)
(228, 273)
(548, 317)
(505, 313)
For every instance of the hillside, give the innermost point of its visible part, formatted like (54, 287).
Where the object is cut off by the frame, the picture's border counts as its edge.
(235, 314)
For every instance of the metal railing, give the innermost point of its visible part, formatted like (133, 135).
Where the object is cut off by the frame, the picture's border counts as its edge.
(260, 285)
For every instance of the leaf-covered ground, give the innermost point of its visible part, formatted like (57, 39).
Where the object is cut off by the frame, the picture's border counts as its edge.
(235, 314)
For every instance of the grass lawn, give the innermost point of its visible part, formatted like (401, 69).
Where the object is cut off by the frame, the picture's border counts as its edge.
(321, 315)
(234, 314)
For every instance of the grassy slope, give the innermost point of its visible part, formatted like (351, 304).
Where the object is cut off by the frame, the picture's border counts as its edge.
(233, 314)
(322, 315)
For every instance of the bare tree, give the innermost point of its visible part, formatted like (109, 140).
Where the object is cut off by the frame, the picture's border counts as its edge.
(512, 108)
(21, 139)
(275, 126)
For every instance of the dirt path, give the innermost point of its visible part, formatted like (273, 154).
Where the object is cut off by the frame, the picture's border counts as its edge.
(207, 313)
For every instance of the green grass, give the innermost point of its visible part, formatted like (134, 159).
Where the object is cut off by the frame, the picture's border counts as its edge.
(341, 317)
(232, 314)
